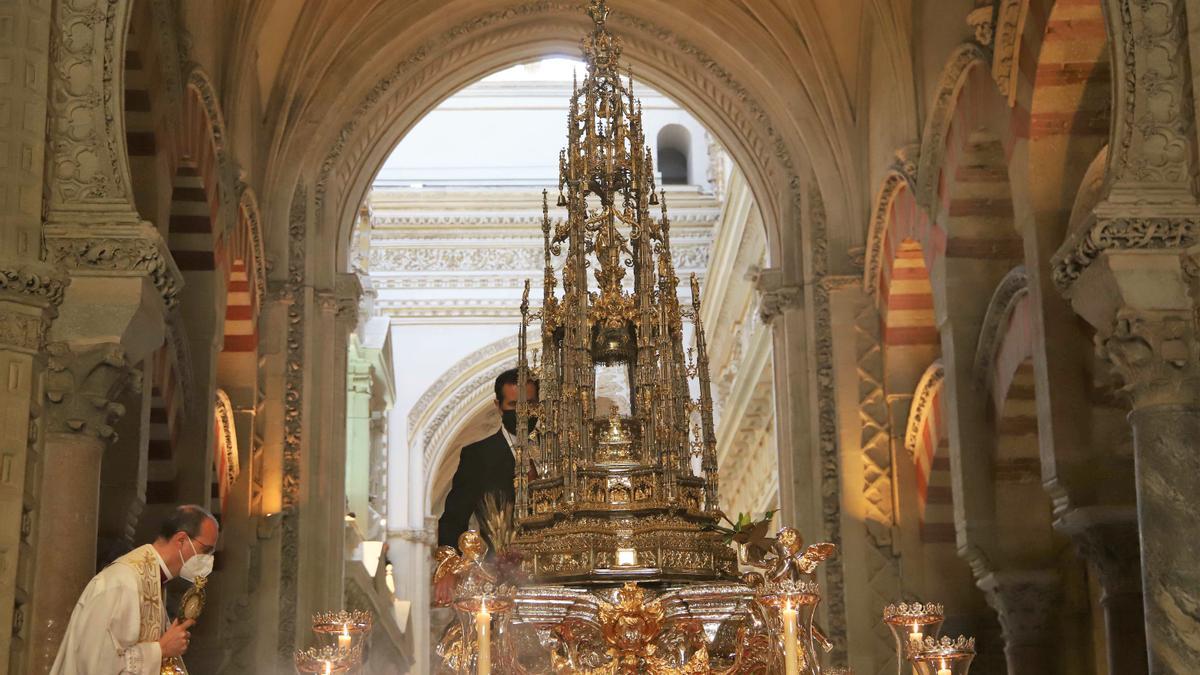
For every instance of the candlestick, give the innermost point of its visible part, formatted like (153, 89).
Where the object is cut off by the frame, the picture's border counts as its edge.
(483, 629)
(791, 663)
(344, 639)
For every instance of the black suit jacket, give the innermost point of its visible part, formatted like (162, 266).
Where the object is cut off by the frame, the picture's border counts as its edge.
(483, 467)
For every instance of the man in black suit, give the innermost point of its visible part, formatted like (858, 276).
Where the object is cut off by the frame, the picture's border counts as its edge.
(486, 466)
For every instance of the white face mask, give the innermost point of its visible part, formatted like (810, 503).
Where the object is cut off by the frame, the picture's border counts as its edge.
(199, 565)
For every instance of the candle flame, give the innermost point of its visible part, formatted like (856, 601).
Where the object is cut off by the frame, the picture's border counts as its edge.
(346, 629)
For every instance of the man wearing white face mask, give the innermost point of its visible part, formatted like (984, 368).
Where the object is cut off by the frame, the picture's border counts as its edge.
(120, 623)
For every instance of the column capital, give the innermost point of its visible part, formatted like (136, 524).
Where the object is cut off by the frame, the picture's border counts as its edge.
(1107, 537)
(82, 388)
(1156, 354)
(775, 294)
(30, 293)
(1026, 602)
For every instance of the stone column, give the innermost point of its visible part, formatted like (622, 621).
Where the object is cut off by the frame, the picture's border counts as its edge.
(1139, 300)
(1026, 603)
(1107, 537)
(81, 389)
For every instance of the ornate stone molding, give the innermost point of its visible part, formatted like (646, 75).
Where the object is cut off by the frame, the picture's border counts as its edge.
(1006, 51)
(82, 388)
(86, 148)
(115, 249)
(1107, 537)
(1153, 114)
(1026, 603)
(980, 20)
(922, 404)
(509, 259)
(774, 295)
(248, 205)
(1162, 232)
(901, 174)
(34, 280)
(1010, 291)
(937, 125)
(293, 422)
(22, 331)
(1156, 354)
(827, 422)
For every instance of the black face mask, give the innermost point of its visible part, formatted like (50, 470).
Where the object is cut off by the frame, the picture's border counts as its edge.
(509, 419)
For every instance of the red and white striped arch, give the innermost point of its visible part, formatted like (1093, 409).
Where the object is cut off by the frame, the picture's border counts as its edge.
(926, 439)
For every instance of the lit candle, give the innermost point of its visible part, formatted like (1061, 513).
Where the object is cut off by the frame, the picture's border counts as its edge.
(344, 638)
(914, 640)
(328, 667)
(944, 670)
(791, 663)
(483, 629)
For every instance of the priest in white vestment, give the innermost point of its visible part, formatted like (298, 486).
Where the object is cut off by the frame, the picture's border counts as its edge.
(120, 623)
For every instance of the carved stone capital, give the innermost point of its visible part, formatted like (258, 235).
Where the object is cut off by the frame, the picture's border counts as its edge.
(82, 388)
(1026, 603)
(775, 296)
(1107, 537)
(1156, 355)
(115, 250)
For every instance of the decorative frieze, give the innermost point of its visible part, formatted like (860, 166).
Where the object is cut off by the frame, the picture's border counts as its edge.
(115, 250)
(1121, 233)
(33, 279)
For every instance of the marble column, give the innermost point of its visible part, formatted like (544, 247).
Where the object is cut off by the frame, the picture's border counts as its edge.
(82, 388)
(1107, 537)
(1141, 303)
(1026, 602)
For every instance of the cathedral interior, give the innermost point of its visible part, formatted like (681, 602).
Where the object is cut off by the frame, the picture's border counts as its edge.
(267, 256)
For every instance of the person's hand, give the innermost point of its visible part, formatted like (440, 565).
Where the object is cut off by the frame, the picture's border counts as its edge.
(174, 642)
(443, 590)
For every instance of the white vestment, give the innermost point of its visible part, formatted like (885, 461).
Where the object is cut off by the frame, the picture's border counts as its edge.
(118, 620)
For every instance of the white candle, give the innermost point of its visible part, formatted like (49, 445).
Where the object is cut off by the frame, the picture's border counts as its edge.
(344, 639)
(944, 670)
(791, 663)
(328, 668)
(483, 630)
(914, 639)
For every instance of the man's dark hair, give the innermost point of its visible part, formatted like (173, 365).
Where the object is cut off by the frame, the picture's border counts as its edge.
(187, 518)
(510, 377)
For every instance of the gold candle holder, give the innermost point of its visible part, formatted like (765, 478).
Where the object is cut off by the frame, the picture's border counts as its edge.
(911, 623)
(945, 656)
(327, 659)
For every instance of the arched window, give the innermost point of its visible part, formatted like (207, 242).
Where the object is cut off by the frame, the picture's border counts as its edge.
(673, 144)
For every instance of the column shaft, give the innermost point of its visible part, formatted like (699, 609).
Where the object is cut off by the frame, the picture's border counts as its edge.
(67, 538)
(1167, 442)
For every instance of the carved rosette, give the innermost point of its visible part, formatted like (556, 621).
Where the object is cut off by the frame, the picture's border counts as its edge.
(116, 249)
(1155, 354)
(82, 388)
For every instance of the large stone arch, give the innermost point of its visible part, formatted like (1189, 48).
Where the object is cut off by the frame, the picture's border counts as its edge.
(768, 138)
